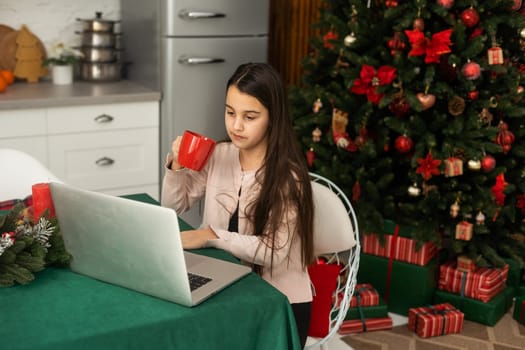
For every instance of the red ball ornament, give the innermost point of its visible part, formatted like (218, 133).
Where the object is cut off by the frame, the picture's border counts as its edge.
(473, 95)
(399, 106)
(445, 3)
(470, 17)
(516, 5)
(471, 70)
(488, 163)
(505, 137)
(404, 144)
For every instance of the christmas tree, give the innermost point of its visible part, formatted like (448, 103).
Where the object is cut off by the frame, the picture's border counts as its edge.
(415, 108)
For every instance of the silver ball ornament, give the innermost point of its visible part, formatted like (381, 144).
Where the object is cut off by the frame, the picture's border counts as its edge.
(350, 39)
(474, 164)
(414, 191)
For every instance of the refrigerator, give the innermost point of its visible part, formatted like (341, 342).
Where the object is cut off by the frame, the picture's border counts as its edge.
(187, 49)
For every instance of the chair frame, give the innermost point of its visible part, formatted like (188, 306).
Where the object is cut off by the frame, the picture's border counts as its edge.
(350, 258)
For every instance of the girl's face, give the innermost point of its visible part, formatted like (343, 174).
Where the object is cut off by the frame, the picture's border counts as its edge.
(246, 121)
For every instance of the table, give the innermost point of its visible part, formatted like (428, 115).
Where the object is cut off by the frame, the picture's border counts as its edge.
(61, 309)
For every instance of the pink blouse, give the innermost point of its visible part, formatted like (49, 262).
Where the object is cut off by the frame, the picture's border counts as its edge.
(220, 181)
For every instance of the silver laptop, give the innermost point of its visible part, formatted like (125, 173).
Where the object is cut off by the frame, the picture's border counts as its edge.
(136, 245)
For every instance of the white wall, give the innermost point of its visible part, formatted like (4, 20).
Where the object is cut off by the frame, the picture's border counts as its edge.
(55, 20)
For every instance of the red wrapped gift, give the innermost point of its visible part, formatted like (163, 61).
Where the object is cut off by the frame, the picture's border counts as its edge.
(368, 325)
(483, 283)
(365, 295)
(464, 231)
(453, 167)
(436, 320)
(495, 55)
(401, 248)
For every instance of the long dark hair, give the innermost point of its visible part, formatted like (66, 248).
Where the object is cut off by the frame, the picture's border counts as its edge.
(284, 179)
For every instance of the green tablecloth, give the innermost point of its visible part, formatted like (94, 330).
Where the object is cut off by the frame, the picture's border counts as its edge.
(64, 310)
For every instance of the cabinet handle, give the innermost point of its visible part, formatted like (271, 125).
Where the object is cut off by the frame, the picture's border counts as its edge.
(104, 161)
(188, 14)
(199, 60)
(104, 118)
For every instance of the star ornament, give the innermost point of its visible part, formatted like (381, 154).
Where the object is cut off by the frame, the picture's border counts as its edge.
(369, 79)
(432, 48)
(428, 166)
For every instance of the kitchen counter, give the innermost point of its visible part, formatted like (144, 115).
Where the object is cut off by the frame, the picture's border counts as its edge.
(22, 95)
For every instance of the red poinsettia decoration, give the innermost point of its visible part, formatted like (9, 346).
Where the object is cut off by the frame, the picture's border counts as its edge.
(432, 48)
(428, 166)
(329, 38)
(498, 189)
(370, 79)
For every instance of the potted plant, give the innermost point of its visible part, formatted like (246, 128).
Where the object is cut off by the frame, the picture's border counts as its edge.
(62, 60)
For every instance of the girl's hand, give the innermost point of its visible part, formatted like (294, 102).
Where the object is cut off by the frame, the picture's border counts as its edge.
(175, 146)
(195, 239)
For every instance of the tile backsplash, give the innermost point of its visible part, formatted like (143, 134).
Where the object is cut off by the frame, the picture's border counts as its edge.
(55, 20)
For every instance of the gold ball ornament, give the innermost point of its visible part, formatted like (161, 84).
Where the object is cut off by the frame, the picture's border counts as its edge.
(522, 33)
(349, 40)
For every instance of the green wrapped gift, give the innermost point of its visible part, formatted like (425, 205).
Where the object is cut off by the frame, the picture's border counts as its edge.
(376, 311)
(514, 276)
(406, 286)
(519, 309)
(477, 311)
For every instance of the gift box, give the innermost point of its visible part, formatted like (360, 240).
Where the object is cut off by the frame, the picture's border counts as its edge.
(465, 264)
(364, 295)
(483, 283)
(519, 309)
(402, 285)
(453, 167)
(397, 243)
(477, 311)
(364, 312)
(495, 55)
(368, 325)
(435, 320)
(464, 231)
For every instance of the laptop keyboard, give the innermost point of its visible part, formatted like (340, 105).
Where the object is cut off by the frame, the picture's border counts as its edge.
(197, 281)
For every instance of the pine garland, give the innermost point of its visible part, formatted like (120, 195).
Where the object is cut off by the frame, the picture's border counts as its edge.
(27, 247)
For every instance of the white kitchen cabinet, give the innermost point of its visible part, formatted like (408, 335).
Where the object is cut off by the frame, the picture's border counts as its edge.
(110, 148)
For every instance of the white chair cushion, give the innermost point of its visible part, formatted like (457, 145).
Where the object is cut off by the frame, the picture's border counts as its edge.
(333, 231)
(19, 172)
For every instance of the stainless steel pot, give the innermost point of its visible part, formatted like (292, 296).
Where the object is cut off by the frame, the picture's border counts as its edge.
(100, 54)
(97, 24)
(98, 39)
(92, 71)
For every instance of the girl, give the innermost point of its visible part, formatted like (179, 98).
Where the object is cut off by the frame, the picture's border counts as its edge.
(258, 197)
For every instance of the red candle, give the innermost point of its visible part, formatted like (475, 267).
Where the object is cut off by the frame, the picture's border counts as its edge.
(42, 200)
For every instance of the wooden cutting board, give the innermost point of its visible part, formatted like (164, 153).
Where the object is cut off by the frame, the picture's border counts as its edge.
(4, 31)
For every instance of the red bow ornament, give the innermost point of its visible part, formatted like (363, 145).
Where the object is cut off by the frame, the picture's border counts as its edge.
(498, 190)
(369, 79)
(432, 48)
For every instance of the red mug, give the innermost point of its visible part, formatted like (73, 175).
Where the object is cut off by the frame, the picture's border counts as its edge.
(195, 149)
